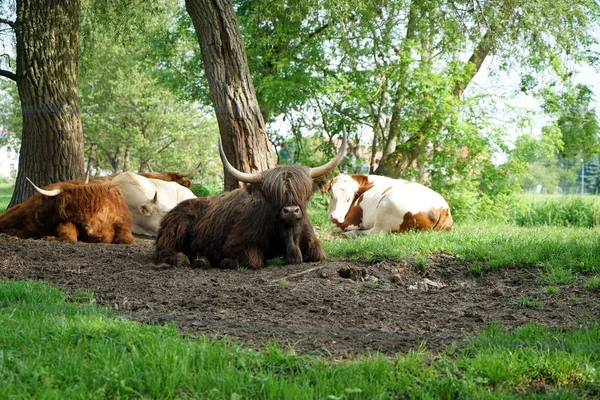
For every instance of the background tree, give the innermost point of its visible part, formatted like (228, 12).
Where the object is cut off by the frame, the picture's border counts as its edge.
(136, 108)
(231, 89)
(47, 36)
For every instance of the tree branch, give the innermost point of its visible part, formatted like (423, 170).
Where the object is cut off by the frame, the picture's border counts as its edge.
(484, 47)
(8, 22)
(8, 74)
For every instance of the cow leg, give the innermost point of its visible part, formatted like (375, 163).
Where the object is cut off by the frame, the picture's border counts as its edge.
(310, 246)
(67, 232)
(123, 235)
(252, 258)
(199, 262)
(229, 263)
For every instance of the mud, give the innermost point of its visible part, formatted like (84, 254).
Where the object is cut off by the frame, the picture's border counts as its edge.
(334, 308)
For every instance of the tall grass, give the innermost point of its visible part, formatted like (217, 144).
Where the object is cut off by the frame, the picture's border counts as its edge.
(556, 210)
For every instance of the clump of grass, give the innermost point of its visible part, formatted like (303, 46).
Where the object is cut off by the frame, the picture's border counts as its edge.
(371, 285)
(552, 289)
(558, 276)
(275, 261)
(525, 301)
(476, 268)
(592, 283)
(283, 283)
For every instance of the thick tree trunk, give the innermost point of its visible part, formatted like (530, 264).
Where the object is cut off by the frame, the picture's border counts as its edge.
(232, 93)
(52, 142)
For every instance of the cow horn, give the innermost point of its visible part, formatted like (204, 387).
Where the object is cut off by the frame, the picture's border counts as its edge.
(192, 172)
(49, 193)
(239, 175)
(323, 169)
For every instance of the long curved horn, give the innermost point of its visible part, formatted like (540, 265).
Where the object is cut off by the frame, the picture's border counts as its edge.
(192, 172)
(49, 193)
(239, 175)
(323, 169)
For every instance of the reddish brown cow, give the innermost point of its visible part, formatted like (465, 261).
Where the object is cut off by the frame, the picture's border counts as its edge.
(247, 226)
(71, 211)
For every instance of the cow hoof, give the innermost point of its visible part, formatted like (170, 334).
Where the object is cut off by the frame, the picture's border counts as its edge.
(293, 260)
(351, 234)
(201, 262)
(229, 263)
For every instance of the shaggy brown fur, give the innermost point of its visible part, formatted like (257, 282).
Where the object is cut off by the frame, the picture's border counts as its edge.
(81, 212)
(247, 226)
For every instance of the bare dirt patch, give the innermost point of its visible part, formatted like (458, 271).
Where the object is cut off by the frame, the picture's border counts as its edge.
(334, 308)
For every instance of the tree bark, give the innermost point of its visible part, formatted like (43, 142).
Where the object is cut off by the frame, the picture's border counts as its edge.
(47, 33)
(241, 123)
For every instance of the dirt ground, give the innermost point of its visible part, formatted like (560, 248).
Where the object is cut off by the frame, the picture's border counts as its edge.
(337, 308)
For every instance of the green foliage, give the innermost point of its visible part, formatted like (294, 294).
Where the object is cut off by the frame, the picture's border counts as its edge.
(130, 109)
(202, 190)
(10, 107)
(576, 120)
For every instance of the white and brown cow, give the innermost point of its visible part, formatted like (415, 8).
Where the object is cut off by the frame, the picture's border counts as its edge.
(367, 204)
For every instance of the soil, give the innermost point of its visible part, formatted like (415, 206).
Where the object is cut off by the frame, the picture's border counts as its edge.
(334, 308)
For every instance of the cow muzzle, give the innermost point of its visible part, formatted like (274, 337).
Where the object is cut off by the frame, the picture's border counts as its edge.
(335, 219)
(290, 213)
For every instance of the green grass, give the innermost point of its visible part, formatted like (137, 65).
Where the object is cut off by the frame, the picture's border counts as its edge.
(494, 246)
(56, 346)
(53, 347)
(6, 191)
(557, 210)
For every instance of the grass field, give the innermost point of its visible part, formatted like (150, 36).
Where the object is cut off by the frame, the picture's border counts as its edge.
(56, 346)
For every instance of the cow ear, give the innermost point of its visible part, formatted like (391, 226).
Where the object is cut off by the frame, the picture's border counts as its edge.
(146, 209)
(321, 184)
(155, 199)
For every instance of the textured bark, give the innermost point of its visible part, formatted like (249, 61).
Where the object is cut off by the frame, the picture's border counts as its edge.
(241, 123)
(47, 33)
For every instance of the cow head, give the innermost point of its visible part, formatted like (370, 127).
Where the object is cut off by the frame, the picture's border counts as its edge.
(150, 208)
(287, 188)
(343, 191)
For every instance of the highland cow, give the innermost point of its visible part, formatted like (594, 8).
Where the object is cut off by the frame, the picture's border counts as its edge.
(247, 226)
(71, 211)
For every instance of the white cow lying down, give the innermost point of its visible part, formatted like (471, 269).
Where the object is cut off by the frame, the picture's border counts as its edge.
(367, 204)
(149, 200)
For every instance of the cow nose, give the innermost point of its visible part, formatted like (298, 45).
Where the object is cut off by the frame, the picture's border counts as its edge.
(291, 211)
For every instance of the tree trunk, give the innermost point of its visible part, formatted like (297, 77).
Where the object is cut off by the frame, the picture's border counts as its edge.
(52, 142)
(92, 161)
(127, 159)
(241, 123)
